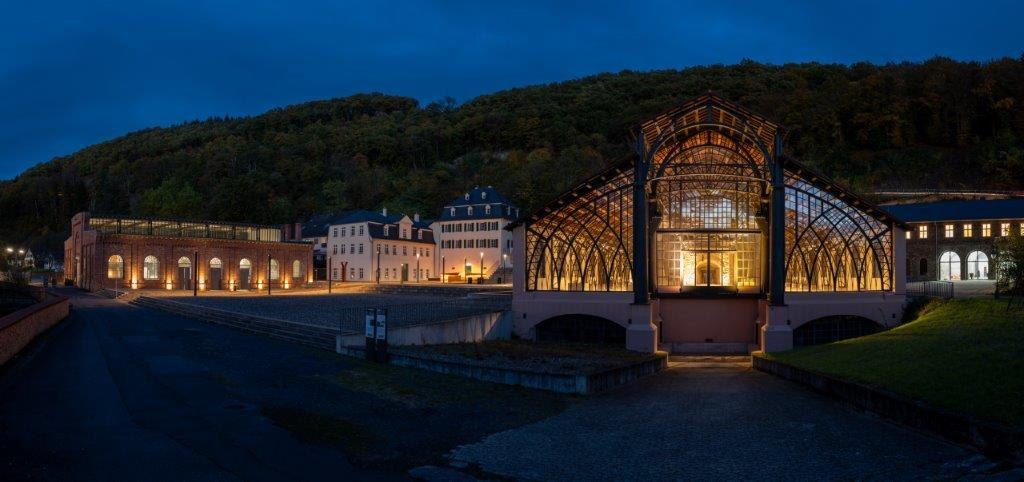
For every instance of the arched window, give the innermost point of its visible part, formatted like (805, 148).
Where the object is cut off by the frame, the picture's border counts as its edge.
(949, 266)
(151, 268)
(297, 269)
(922, 269)
(184, 262)
(244, 264)
(977, 265)
(216, 263)
(115, 267)
(275, 270)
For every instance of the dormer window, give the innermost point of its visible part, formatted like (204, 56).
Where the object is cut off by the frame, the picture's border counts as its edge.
(483, 195)
(452, 212)
(469, 210)
(487, 209)
(467, 196)
(419, 234)
(385, 230)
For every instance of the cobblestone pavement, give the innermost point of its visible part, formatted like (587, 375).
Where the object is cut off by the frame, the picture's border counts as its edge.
(714, 424)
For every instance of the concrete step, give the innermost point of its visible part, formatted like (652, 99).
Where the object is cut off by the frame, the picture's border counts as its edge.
(709, 361)
(713, 348)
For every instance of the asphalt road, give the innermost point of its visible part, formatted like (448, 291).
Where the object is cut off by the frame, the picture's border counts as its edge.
(112, 395)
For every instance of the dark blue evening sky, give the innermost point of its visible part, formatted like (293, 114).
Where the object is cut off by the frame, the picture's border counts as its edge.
(76, 73)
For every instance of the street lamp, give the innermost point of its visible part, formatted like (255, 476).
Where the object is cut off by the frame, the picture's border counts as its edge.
(417, 267)
(481, 265)
(378, 264)
(444, 271)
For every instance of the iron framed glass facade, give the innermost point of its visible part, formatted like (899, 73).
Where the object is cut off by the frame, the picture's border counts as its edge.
(710, 171)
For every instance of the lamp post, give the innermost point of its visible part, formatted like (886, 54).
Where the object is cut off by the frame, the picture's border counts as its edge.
(195, 274)
(330, 267)
(417, 267)
(378, 264)
(268, 274)
(481, 265)
(444, 271)
(466, 272)
(402, 273)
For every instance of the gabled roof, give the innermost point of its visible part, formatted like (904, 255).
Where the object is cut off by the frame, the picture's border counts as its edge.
(479, 195)
(714, 111)
(478, 198)
(961, 210)
(318, 224)
(376, 231)
(363, 215)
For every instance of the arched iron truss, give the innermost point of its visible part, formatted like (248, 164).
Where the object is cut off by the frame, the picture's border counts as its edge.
(585, 243)
(708, 155)
(832, 245)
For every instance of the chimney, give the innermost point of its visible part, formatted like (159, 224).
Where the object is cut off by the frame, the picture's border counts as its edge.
(384, 211)
(298, 230)
(416, 218)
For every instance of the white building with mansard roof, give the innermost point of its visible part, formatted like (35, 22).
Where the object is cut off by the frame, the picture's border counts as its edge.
(472, 242)
(360, 243)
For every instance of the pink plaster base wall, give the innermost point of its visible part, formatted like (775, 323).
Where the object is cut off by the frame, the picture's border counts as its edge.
(701, 320)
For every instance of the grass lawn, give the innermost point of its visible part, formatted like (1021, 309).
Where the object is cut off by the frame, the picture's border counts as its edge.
(966, 355)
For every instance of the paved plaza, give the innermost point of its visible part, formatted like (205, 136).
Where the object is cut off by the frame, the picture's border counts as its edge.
(715, 424)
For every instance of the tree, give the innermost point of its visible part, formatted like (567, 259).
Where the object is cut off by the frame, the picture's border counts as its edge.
(1010, 268)
(172, 199)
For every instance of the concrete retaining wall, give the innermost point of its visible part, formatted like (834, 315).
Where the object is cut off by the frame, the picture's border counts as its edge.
(487, 326)
(581, 383)
(994, 440)
(18, 329)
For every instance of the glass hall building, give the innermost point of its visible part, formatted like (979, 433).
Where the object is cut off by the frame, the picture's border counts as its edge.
(710, 239)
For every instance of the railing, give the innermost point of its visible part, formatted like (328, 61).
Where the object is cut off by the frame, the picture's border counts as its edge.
(931, 289)
(405, 314)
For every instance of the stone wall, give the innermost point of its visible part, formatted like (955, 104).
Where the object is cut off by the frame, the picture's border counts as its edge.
(485, 326)
(18, 329)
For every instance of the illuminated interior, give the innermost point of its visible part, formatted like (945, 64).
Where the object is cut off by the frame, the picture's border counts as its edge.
(709, 184)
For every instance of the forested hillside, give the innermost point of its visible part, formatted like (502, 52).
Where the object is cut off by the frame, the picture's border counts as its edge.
(940, 123)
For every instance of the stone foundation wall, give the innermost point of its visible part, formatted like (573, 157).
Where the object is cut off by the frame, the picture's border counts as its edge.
(18, 329)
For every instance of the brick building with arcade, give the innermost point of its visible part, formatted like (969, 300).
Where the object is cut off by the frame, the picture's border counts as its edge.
(146, 253)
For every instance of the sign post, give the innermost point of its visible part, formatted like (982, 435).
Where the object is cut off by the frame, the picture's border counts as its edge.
(381, 324)
(370, 318)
